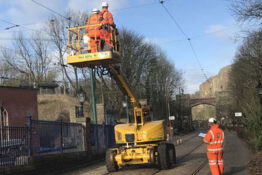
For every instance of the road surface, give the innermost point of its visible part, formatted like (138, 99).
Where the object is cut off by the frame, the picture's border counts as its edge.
(191, 159)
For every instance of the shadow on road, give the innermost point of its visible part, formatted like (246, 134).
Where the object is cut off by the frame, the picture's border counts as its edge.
(182, 159)
(131, 167)
(234, 170)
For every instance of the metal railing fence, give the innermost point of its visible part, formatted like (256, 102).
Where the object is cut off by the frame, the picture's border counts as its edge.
(41, 137)
(56, 136)
(13, 146)
(102, 136)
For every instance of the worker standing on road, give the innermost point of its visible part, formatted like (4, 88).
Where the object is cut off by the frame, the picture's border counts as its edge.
(106, 19)
(93, 30)
(214, 139)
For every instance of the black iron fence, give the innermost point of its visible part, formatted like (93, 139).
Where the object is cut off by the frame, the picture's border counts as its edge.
(13, 146)
(40, 137)
(56, 136)
(102, 137)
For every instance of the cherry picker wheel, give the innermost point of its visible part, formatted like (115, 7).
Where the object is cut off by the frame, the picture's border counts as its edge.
(163, 156)
(111, 164)
(172, 153)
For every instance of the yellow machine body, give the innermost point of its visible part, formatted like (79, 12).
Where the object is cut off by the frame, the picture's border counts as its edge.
(149, 132)
(138, 154)
(139, 141)
(93, 59)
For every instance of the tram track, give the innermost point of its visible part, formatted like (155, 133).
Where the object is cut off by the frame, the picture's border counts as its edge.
(203, 164)
(191, 151)
(154, 170)
(186, 155)
(186, 139)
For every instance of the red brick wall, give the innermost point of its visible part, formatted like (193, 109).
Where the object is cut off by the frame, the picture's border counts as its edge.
(19, 102)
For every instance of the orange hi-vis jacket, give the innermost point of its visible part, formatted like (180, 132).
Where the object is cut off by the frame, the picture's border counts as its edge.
(214, 138)
(106, 17)
(93, 27)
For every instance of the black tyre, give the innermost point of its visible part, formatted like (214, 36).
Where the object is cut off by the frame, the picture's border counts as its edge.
(111, 164)
(172, 154)
(163, 156)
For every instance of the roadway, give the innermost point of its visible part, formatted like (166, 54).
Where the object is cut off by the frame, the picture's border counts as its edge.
(191, 159)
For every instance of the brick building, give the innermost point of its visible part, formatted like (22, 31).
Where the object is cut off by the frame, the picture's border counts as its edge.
(16, 104)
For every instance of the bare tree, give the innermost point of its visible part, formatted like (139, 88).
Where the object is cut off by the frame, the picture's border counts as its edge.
(244, 77)
(7, 75)
(57, 30)
(247, 10)
(29, 58)
(146, 70)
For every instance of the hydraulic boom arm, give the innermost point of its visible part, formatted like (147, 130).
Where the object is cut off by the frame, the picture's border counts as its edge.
(122, 85)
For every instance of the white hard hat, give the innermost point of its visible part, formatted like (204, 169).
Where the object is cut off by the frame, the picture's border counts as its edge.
(211, 120)
(95, 10)
(104, 4)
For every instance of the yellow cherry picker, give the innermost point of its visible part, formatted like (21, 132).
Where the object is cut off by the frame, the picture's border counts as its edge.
(141, 142)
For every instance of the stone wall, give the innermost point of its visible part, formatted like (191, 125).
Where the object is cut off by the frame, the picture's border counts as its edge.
(213, 87)
(53, 106)
(215, 84)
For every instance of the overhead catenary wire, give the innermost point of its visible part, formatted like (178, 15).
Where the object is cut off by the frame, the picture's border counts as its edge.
(195, 54)
(43, 39)
(18, 25)
(51, 10)
(133, 7)
(186, 37)
(137, 6)
(115, 10)
(59, 14)
(8, 22)
(68, 18)
(174, 20)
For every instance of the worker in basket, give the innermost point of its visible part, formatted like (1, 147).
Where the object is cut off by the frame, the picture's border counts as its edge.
(93, 30)
(106, 20)
(214, 139)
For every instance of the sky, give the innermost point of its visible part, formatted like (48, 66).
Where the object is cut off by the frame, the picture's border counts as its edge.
(208, 23)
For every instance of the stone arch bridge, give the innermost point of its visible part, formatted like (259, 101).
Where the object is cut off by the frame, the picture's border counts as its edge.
(197, 101)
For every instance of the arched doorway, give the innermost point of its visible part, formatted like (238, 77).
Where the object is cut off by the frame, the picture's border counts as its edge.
(202, 112)
(202, 109)
(4, 123)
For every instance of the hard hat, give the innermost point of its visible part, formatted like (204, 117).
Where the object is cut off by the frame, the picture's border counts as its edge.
(95, 10)
(212, 120)
(104, 4)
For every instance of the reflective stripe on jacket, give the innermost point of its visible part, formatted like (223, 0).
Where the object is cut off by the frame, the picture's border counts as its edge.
(214, 138)
(106, 17)
(92, 28)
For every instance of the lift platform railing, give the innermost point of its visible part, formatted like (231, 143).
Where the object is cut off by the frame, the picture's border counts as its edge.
(115, 39)
(79, 46)
(79, 42)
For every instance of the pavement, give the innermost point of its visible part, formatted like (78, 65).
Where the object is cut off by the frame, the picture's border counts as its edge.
(191, 158)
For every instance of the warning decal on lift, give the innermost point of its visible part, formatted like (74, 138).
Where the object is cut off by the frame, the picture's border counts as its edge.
(89, 57)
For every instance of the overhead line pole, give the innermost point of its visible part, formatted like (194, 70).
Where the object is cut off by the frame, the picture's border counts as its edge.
(91, 70)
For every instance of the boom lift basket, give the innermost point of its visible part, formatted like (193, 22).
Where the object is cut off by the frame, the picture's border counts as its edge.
(79, 50)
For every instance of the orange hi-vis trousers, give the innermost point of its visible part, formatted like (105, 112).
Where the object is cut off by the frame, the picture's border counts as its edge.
(94, 45)
(106, 35)
(216, 164)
